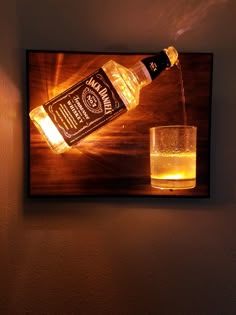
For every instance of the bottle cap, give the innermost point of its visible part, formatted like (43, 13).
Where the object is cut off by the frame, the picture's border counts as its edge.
(172, 55)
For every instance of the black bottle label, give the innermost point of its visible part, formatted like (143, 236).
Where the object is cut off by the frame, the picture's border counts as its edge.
(156, 64)
(85, 107)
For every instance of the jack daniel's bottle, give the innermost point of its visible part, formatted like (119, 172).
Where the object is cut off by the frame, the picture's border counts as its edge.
(96, 100)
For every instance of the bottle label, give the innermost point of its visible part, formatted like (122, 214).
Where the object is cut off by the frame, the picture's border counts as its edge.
(85, 107)
(156, 64)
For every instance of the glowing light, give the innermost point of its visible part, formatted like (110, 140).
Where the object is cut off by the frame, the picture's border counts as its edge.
(49, 128)
(173, 176)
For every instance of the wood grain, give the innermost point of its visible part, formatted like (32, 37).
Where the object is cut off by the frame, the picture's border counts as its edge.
(115, 159)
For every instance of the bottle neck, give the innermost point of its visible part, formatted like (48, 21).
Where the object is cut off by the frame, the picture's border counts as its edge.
(156, 64)
(149, 68)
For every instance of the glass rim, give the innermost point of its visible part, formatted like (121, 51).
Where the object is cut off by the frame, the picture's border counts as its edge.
(173, 126)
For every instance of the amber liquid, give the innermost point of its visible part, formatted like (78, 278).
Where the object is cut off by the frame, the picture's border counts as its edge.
(173, 170)
(183, 100)
(170, 170)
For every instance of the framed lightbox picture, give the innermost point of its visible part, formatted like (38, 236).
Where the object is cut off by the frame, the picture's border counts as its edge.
(114, 160)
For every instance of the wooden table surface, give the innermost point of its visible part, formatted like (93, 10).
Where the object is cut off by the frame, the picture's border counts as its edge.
(114, 161)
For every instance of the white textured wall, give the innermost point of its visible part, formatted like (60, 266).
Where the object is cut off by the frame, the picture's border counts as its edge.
(117, 256)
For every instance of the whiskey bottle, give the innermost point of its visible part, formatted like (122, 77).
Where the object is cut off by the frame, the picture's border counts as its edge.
(97, 100)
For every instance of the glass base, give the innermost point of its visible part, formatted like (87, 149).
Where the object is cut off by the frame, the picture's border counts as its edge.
(173, 184)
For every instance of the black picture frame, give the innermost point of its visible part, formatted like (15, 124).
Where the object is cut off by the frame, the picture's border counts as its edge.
(114, 161)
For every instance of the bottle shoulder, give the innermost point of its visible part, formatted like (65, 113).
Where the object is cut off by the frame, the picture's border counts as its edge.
(114, 69)
(124, 82)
